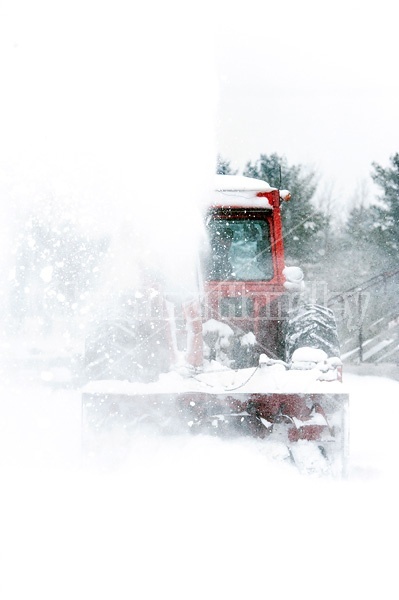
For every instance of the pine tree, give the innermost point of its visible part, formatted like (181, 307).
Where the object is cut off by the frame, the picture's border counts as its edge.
(224, 167)
(362, 256)
(303, 224)
(386, 215)
(366, 250)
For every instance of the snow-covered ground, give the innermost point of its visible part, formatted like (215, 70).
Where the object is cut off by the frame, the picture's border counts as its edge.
(192, 517)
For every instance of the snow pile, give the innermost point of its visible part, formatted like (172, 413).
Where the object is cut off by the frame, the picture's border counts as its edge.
(309, 355)
(217, 338)
(248, 339)
(222, 330)
(293, 274)
(182, 510)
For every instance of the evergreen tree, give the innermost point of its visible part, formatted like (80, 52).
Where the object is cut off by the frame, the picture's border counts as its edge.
(304, 225)
(361, 254)
(361, 259)
(385, 227)
(223, 167)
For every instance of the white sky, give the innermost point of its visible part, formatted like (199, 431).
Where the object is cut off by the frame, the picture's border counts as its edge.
(314, 81)
(91, 88)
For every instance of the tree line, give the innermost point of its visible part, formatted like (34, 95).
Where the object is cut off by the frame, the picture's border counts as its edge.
(341, 250)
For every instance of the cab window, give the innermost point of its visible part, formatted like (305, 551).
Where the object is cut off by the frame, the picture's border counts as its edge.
(239, 250)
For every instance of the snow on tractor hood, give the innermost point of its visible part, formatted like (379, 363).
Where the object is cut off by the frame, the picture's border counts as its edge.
(240, 191)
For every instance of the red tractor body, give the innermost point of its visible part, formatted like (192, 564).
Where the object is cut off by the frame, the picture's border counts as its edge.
(269, 362)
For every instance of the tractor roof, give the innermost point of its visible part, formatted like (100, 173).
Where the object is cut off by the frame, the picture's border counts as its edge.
(240, 191)
(239, 183)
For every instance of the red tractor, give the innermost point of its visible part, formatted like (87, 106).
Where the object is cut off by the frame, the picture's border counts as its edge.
(258, 359)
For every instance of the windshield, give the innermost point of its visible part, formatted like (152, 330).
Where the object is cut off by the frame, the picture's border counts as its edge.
(240, 250)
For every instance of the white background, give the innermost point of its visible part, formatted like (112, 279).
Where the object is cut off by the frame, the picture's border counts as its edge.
(312, 81)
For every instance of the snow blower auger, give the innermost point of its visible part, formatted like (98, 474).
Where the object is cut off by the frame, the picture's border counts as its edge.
(259, 361)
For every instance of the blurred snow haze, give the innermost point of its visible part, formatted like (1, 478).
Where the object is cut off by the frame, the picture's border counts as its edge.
(108, 113)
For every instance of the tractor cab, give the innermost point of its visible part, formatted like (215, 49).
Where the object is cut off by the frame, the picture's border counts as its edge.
(245, 262)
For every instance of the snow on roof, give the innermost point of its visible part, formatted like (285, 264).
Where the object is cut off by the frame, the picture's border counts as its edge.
(239, 183)
(237, 190)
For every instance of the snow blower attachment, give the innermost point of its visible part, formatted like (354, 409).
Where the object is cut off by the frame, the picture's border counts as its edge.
(258, 360)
